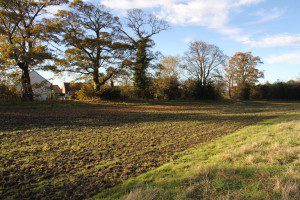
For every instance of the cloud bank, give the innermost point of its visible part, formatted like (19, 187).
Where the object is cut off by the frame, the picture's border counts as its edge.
(212, 14)
(287, 58)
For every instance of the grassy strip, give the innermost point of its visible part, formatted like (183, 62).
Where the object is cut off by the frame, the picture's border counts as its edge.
(257, 162)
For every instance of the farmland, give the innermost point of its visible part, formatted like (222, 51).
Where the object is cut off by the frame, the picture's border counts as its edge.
(77, 149)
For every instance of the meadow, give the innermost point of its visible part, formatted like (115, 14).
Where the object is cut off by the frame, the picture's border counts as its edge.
(75, 150)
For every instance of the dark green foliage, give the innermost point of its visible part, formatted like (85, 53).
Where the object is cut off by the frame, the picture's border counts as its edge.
(243, 92)
(280, 90)
(8, 93)
(166, 88)
(141, 81)
(111, 93)
(143, 28)
(196, 90)
(173, 90)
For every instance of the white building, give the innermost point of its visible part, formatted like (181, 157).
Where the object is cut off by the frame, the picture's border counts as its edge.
(42, 88)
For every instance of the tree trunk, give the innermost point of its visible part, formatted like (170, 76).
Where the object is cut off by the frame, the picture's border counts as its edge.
(27, 93)
(112, 84)
(229, 91)
(97, 84)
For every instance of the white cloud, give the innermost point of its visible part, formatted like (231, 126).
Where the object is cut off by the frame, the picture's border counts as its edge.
(129, 4)
(54, 9)
(187, 39)
(278, 41)
(287, 58)
(212, 14)
(267, 15)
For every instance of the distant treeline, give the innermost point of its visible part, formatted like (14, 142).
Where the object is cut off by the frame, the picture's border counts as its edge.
(281, 90)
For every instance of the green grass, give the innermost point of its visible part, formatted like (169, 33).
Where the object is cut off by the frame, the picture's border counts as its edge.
(63, 150)
(257, 162)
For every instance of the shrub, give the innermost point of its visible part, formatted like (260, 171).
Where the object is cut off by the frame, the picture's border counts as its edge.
(86, 92)
(110, 93)
(280, 90)
(195, 90)
(166, 88)
(243, 92)
(127, 91)
(172, 91)
(8, 93)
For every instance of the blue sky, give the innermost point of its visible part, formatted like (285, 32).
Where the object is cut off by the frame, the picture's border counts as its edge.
(268, 28)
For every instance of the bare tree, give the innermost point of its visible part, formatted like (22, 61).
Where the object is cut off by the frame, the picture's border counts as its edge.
(169, 66)
(203, 60)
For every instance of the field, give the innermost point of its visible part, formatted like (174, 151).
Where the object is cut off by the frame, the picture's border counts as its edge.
(75, 150)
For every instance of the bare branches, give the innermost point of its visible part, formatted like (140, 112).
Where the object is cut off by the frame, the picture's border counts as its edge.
(202, 60)
(144, 25)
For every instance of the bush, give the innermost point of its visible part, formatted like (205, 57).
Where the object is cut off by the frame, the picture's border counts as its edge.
(167, 88)
(193, 89)
(172, 91)
(280, 90)
(110, 93)
(8, 93)
(243, 92)
(127, 91)
(86, 92)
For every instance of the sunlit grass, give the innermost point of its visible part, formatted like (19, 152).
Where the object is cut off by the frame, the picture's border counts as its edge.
(257, 162)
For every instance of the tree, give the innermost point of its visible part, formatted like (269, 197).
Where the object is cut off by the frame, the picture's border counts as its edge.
(228, 77)
(170, 66)
(167, 81)
(23, 39)
(94, 45)
(203, 60)
(242, 72)
(143, 27)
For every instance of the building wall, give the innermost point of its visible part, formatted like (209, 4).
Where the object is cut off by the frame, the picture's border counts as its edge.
(41, 87)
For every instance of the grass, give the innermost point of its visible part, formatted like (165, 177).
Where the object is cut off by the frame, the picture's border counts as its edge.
(257, 162)
(63, 150)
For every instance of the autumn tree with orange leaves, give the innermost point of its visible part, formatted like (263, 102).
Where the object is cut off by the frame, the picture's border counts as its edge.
(242, 73)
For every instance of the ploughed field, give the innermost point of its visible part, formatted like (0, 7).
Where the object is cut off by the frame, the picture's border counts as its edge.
(74, 150)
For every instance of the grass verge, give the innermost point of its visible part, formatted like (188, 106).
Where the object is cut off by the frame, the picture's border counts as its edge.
(257, 162)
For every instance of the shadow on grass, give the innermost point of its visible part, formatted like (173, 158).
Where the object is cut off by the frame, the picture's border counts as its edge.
(80, 114)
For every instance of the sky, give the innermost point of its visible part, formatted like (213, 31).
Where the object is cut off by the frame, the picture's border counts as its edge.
(268, 28)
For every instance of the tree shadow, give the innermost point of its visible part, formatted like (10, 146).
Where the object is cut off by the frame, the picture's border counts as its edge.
(70, 114)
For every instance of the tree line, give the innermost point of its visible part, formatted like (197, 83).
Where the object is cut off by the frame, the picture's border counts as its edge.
(88, 40)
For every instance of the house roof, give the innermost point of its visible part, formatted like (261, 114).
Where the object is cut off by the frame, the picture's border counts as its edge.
(34, 74)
